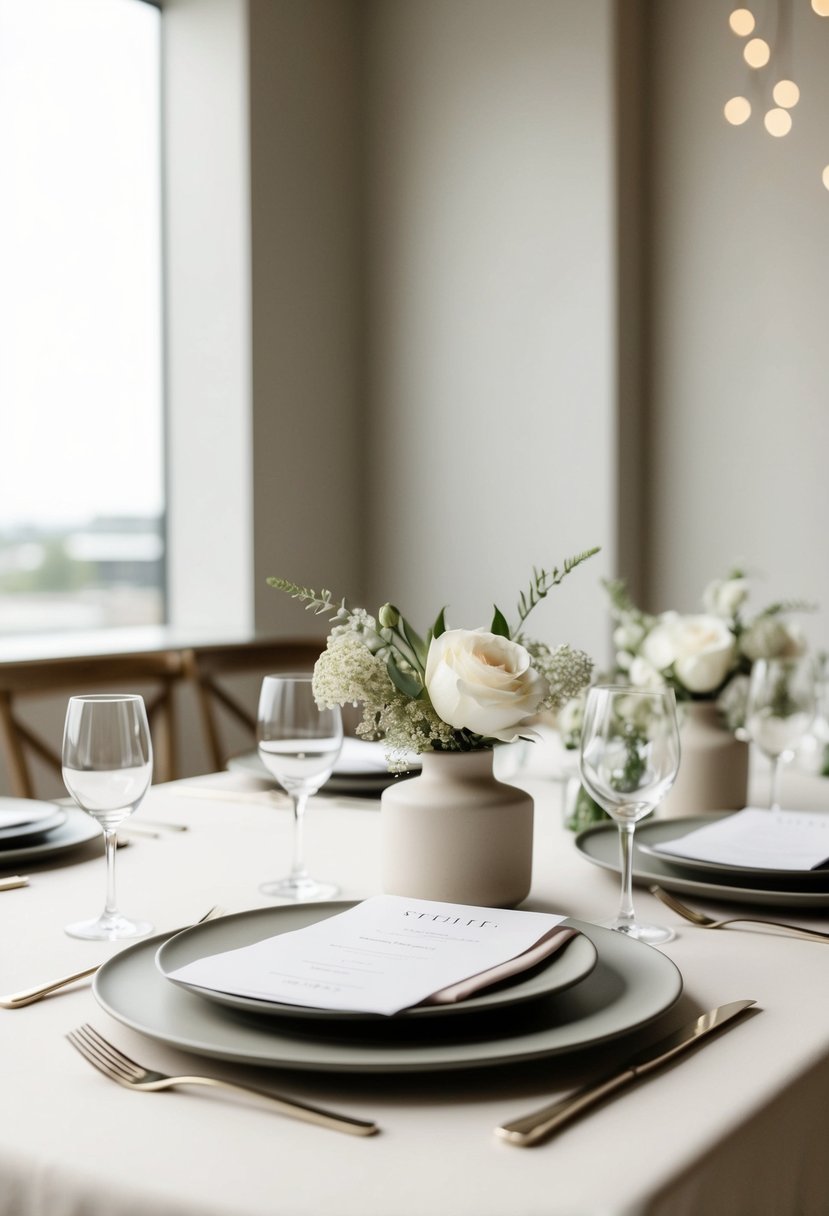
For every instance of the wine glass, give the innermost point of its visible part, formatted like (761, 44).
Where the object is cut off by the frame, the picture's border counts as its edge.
(781, 706)
(629, 759)
(107, 765)
(299, 744)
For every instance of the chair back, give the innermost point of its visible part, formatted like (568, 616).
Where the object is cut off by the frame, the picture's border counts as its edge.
(209, 668)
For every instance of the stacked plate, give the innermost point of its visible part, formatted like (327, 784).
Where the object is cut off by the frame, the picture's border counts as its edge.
(691, 876)
(31, 830)
(601, 986)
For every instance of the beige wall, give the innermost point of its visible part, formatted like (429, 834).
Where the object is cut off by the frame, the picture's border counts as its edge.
(739, 249)
(490, 323)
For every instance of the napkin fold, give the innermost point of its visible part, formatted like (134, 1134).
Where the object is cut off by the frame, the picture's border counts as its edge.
(552, 941)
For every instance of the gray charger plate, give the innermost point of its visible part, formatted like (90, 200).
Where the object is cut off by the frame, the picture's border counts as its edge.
(600, 845)
(650, 834)
(77, 829)
(576, 960)
(631, 985)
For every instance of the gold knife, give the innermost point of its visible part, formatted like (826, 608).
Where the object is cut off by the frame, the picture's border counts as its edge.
(531, 1129)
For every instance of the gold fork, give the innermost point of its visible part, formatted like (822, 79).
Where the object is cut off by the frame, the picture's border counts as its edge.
(28, 996)
(99, 1052)
(707, 922)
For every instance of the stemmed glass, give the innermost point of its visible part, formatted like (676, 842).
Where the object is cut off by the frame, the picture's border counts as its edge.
(781, 706)
(299, 744)
(629, 759)
(107, 766)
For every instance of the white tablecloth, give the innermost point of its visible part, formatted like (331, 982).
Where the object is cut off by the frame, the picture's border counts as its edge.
(738, 1127)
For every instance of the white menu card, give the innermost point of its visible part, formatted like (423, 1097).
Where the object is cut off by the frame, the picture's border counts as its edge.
(383, 955)
(759, 839)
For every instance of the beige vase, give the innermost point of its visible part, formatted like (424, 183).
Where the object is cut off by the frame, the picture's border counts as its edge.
(713, 767)
(456, 833)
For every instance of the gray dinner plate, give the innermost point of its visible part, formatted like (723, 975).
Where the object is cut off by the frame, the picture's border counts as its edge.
(575, 961)
(631, 985)
(654, 832)
(600, 845)
(40, 817)
(77, 829)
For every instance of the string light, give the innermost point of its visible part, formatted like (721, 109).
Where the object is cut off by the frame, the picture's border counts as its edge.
(737, 111)
(778, 122)
(786, 94)
(821, 7)
(742, 22)
(757, 53)
(825, 177)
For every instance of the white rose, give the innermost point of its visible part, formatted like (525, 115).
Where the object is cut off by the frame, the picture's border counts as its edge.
(628, 635)
(771, 637)
(483, 683)
(644, 675)
(700, 648)
(725, 597)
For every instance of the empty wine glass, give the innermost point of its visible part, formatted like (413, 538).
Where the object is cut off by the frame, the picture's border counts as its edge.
(299, 744)
(629, 759)
(107, 766)
(781, 706)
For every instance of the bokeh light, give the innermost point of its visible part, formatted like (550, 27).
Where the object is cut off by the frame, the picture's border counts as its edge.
(737, 111)
(757, 53)
(741, 22)
(786, 93)
(778, 122)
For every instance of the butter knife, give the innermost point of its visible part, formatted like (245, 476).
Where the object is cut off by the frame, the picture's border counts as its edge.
(531, 1129)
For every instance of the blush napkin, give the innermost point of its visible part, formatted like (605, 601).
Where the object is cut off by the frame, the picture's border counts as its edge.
(554, 940)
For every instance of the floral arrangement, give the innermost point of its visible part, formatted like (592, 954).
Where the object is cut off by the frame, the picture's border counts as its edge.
(704, 656)
(450, 690)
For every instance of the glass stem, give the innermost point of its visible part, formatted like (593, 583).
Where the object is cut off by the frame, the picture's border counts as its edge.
(298, 870)
(774, 799)
(625, 915)
(110, 845)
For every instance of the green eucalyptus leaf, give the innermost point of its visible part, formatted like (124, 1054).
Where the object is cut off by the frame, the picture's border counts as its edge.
(416, 642)
(499, 623)
(403, 682)
(439, 626)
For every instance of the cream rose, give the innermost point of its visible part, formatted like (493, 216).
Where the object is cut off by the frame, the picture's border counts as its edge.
(480, 682)
(701, 650)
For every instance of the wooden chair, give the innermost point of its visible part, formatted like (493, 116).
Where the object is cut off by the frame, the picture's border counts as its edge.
(209, 667)
(154, 675)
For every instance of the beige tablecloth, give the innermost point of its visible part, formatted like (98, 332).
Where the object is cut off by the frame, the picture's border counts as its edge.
(737, 1127)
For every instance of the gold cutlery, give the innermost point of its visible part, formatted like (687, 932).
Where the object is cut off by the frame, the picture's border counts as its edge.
(101, 1054)
(263, 797)
(13, 880)
(28, 996)
(532, 1129)
(708, 922)
(165, 827)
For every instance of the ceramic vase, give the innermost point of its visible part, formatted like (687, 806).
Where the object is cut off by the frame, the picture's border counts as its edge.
(458, 834)
(713, 767)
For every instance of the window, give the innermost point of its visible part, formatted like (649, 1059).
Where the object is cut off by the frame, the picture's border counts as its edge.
(81, 379)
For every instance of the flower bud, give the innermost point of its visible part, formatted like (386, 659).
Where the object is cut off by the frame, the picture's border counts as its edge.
(388, 616)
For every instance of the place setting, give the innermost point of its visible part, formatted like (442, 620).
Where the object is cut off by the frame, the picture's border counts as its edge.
(236, 988)
(33, 831)
(773, 855)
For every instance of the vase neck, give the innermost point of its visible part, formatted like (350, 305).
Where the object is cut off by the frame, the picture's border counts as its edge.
(459, 764)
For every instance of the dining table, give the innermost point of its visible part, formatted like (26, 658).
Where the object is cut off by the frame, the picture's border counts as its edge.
(735, 1126)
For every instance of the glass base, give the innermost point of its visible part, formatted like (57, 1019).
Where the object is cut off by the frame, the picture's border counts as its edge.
(299, 890)
(109, 928)
(653, 935)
